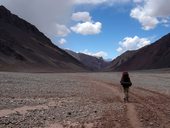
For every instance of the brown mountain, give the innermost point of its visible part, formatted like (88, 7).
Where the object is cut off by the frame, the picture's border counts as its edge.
(93, 63)
(114, 65)
(153, 56)
(24, 48)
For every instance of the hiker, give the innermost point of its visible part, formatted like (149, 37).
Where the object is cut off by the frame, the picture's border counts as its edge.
(126, 83)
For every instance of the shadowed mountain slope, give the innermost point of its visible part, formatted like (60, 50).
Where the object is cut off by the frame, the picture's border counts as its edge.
(24, 48)
(92, 62)
(153, 56)
(120, 60)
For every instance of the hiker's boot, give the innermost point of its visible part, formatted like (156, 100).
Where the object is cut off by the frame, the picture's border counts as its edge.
(124, 99)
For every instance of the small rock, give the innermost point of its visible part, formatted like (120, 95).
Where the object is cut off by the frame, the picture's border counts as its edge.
(141, 120)
(151, 123)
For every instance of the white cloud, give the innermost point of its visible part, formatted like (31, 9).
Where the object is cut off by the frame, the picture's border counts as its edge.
(43, 14)
(138, 1)
(97, 54)
(148, 22)
(119, 49)
(166, 22)
(62, 41)
(101, 54)
(87, 28)
(151, 13)
(81, 16)
(89, 1)
(62, 30)
(96, 2)
(86, 25)
(132, 43)
(46, 14)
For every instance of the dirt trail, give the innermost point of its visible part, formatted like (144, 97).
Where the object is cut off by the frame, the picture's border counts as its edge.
(132, 115)
(131, 111)
(155, 105)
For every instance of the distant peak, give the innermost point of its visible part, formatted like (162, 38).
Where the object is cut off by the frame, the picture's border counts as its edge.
(1, 6)
(4, 12)
(4, 9)
(167, 35)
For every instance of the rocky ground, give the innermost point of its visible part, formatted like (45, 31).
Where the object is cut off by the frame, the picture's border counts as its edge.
(83, 100)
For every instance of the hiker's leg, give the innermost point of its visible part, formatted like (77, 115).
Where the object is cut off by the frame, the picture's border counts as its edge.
(124, 94)
(127, 94)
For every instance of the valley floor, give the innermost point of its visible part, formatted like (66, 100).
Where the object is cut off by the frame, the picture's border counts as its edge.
(83, 100)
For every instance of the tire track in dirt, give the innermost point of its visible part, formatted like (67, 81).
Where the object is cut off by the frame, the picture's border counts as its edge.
(131, 111)
(23, 110)
(154, 92)
(150, 105)
(153, 107)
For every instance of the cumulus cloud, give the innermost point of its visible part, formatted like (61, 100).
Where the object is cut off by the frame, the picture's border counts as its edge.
(44, 14)
(96, 2)
(97, 54)
(148, 22)
(151, 13)
(81, 16)
(62, 30)
(132, 43)
(62, 41)
(51, 17)
(119, 49)
(86, 25)
(87, 28)
(101, 54)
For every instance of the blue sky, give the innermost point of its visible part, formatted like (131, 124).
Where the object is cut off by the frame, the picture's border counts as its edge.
(97, 27)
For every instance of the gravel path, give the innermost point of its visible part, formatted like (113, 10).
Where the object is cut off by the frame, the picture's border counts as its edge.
(83, 100)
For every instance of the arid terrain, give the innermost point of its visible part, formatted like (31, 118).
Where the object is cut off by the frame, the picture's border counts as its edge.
(83, 100)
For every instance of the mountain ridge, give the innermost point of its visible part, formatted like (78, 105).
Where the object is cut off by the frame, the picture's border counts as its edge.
(92, 62)
(153, 56)
(25, 48)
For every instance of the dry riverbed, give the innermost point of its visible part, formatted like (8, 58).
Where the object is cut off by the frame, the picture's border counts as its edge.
(83, 100)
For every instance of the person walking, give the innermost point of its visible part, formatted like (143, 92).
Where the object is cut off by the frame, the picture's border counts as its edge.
(126, 83)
